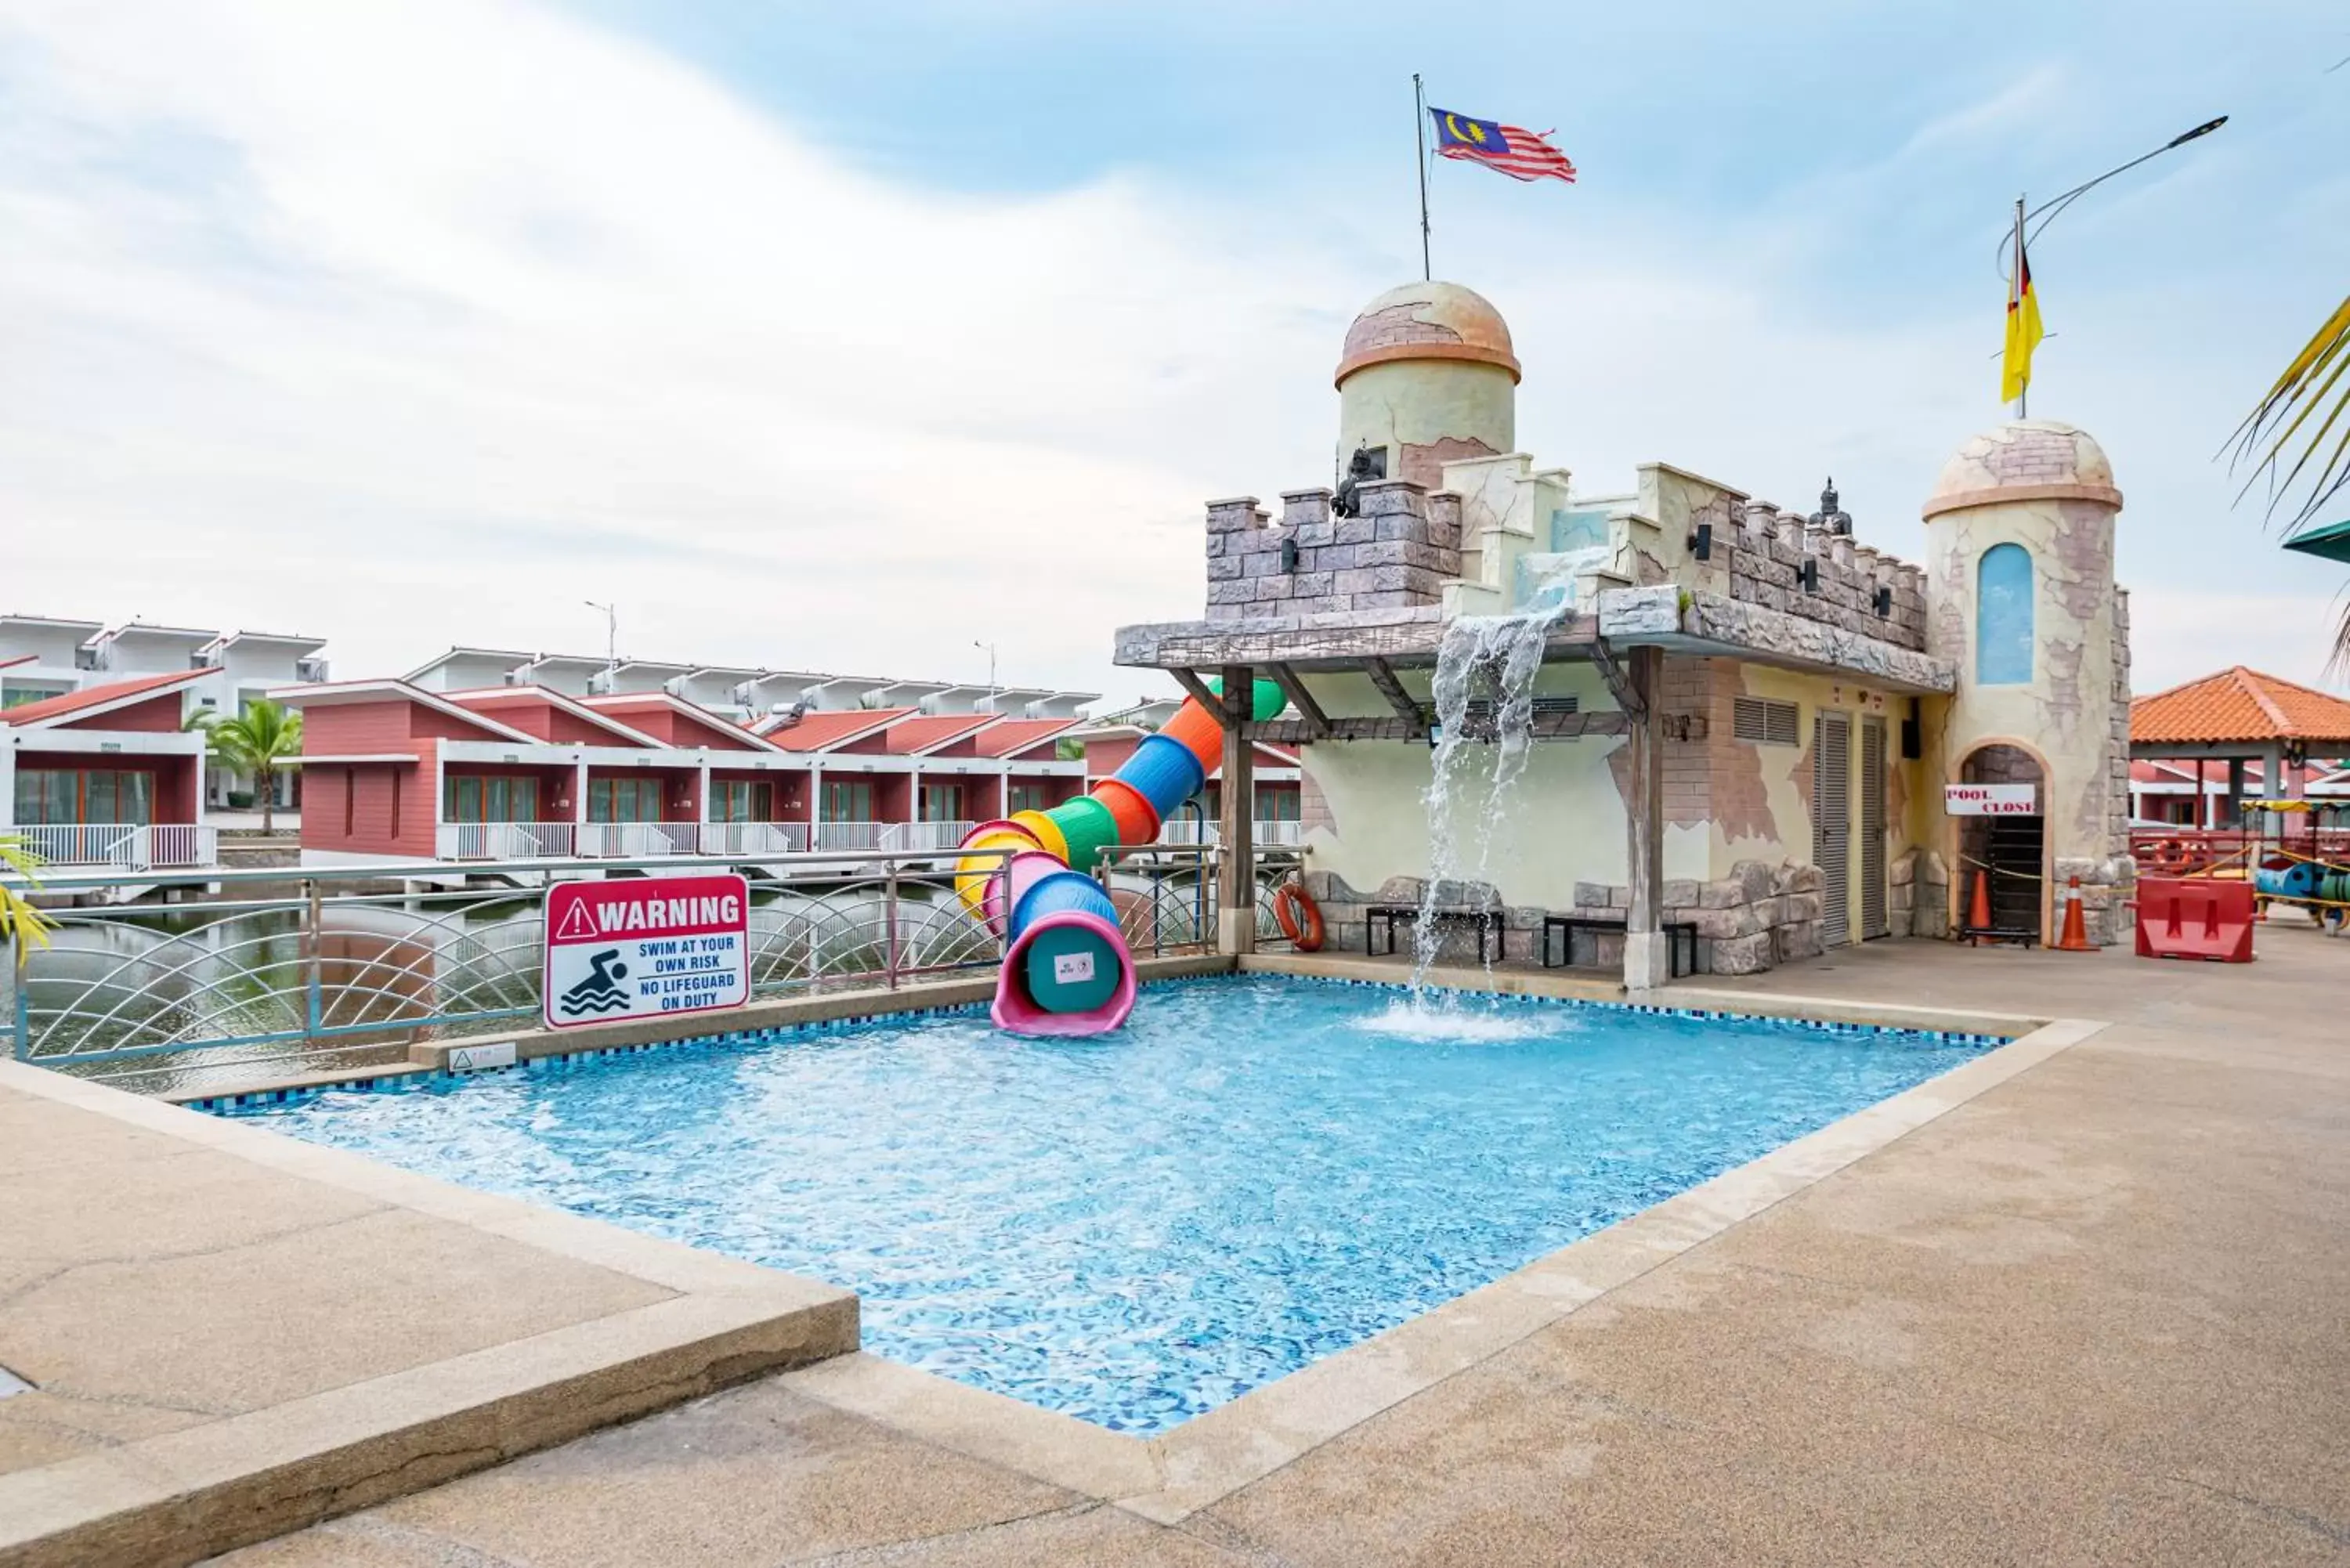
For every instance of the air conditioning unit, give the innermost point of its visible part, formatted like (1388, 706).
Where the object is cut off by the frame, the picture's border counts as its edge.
(310, 671)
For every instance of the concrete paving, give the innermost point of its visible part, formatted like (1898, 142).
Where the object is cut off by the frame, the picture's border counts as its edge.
(2099, 1313)
(227, 1334)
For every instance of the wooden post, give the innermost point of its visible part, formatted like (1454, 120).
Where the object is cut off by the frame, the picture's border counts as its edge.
(1648, 962)
(1236, 888)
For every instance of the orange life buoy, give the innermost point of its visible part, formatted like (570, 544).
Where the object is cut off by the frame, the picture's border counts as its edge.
(1299, 917)
(2171, 857)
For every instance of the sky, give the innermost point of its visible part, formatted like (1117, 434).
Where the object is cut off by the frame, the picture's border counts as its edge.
(863, 338)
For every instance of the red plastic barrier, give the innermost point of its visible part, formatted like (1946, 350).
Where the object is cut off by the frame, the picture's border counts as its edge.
(2181, 917)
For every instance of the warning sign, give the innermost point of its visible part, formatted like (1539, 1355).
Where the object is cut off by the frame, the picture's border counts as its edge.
(646, 947)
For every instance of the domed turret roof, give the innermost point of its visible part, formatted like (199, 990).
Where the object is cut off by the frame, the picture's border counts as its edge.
(2025, 459)
(1428, 321)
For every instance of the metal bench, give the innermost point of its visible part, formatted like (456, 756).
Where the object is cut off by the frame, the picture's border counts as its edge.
(1680, 936)
(1485, 921)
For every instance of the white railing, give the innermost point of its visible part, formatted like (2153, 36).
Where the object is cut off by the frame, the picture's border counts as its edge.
(506, 840)
(917, 837)
(1269, 835)
(848, 835)
(752, 839)
(618, 840)
(131, 846)
(890, 837)
(638, 840)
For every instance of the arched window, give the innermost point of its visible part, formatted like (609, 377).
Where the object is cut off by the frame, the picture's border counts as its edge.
(2003, 617)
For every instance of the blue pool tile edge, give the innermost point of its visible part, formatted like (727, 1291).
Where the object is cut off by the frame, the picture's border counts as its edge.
(389, 1083)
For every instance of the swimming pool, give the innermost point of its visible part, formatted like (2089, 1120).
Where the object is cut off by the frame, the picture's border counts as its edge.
(1137, 1227)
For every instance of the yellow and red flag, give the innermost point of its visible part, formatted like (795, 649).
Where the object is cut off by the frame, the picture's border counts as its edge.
(2022, 327)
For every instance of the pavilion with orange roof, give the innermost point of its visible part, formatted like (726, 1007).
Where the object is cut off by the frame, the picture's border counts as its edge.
(2238, 716)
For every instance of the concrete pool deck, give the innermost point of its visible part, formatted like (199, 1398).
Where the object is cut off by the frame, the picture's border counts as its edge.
(2093, 1310)
(229, 1333)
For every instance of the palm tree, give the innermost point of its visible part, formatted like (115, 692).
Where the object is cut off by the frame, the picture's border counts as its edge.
(21, 925)
(2312, 386)
(255, 744)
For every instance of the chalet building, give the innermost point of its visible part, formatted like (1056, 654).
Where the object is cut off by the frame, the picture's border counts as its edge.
(105, 777)
(42, 657)
(400, 774)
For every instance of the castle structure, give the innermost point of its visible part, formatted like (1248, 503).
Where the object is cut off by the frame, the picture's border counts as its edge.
(1747, 722)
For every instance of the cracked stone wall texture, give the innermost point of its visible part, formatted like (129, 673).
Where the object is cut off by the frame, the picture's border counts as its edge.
(1397, 555)
(1766, 553)
(1427, 414)
(2074, 711)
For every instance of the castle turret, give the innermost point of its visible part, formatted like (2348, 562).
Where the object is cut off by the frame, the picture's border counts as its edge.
(2020, 536)
(1428, 378)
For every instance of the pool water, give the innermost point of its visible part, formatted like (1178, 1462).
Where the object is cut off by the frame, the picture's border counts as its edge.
(1137, 1227)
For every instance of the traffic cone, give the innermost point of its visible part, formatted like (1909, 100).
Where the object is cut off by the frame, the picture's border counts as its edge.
(2075, 936)
(1979, 912)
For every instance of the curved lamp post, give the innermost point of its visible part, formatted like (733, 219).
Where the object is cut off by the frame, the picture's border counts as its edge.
(2018, 238)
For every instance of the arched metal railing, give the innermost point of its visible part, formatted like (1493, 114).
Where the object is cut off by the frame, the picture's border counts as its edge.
(293, 967)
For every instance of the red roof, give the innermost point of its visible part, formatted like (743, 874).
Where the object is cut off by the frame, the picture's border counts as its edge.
(1019, 734)
(627, 702)
(490, 699)
(919, 734)
(2240, 704)
(91, 697)
(830, 727)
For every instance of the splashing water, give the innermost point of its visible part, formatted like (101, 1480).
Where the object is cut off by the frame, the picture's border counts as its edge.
(1456, 1021)
(1508, 649)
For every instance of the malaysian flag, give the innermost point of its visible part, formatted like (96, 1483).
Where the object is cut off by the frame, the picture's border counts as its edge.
(1512, 149)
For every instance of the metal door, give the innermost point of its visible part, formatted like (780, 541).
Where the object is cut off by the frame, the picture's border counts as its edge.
(1873, 920)
(1832, 824)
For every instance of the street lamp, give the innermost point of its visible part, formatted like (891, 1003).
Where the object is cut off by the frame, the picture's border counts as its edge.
(611, 634)
(990, 649)
(2019, 237)
(2056, 204)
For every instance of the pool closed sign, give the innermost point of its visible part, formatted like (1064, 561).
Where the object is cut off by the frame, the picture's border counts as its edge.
(1991, 800)
(646, 947)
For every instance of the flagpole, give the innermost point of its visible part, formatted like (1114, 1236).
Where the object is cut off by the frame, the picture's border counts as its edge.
(1419, 141)
(2015, 293)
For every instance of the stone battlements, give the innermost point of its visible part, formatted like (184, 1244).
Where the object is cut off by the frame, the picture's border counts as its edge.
(1765, 554)
(1398, 554)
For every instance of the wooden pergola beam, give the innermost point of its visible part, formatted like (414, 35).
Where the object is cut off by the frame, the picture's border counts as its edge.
(1546, 727)
(1317, 722)
(1197, 690)
(1383, 676)
(1619, 686)
(1236, 870)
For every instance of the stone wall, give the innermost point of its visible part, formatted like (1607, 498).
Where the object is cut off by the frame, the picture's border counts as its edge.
(1766, 553)
(1398, 554)
(1755, 919)
(1918, 899)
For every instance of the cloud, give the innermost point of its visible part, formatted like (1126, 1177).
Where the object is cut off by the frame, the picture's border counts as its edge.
(2023, 100)
(479, 313)
(419, 323)
(2177, 634)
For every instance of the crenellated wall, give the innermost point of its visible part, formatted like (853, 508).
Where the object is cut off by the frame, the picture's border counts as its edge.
(1764, 555)
(1397, 554)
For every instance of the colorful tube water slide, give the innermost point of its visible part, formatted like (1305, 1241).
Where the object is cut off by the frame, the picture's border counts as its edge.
(1068, 971)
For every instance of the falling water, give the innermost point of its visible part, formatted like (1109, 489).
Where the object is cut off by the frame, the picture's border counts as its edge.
(1508, 650)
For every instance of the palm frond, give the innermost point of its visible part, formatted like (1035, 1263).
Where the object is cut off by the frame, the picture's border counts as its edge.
(2313, 384)
(20, 922)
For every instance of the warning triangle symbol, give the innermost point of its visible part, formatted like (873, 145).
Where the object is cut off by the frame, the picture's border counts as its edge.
(576, 925)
